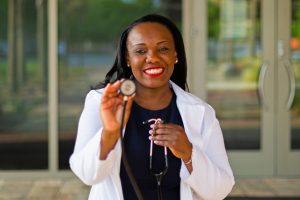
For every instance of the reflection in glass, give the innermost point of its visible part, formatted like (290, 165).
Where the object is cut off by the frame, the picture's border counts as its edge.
(234, 58)
(295, 58)
(23, 99)
(88, 32)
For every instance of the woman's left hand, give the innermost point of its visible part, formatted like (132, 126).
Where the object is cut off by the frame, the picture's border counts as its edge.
(174, 137)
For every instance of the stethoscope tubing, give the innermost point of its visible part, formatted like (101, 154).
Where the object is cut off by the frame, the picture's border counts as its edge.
(158, 176)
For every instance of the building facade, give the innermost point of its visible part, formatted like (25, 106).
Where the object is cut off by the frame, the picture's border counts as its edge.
(243, 59)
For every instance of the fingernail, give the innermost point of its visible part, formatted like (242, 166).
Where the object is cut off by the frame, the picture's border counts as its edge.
(152, 126)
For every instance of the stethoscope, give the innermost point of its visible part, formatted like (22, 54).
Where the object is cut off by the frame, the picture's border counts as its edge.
(128, 88)
(158, 176)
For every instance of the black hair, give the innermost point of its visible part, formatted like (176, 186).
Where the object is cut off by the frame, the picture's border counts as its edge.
(120, 70)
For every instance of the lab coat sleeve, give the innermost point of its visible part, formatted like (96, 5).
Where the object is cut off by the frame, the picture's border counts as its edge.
(84, 161)
(212, 177)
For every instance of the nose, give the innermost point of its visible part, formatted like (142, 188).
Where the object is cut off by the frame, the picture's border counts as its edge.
(152, 57)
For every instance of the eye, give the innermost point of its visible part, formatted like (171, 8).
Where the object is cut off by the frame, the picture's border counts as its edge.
(163, 49)
(140, 51)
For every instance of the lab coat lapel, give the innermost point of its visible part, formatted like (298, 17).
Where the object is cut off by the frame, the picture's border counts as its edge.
(192, 113)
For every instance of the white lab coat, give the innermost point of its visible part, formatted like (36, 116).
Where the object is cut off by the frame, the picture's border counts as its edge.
(211, 178)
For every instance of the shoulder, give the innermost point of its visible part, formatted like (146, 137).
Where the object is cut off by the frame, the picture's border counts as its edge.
(94, 93)
(189, 98)
(191, 105)
(93, 96)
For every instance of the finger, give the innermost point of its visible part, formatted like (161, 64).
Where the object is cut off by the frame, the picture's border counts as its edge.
(164, 143)
(166, 130)
(162, 134)
(164, 137)
(167, 126)
(116, 84)
(111, 89)
(107, 99)
(110, 93)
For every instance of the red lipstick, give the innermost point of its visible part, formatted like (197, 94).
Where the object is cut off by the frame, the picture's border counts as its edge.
(154, 71)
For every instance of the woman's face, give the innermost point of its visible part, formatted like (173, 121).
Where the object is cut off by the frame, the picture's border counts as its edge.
(151, 54)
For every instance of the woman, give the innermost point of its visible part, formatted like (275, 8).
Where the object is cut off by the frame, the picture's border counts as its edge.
(151, 52)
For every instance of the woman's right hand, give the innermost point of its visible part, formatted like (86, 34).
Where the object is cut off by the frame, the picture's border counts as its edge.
(111, 108)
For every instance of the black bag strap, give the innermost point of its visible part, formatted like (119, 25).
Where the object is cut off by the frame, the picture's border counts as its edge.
(125, 161)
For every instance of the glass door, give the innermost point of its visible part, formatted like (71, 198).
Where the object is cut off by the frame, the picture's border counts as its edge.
(23, 86)
(288, 88)
(231, 65)
(244, 60)
(240, 81)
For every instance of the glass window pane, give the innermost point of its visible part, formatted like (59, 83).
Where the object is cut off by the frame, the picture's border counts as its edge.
(295, 58)
(88, 33)
(234, 58)
(23, 88)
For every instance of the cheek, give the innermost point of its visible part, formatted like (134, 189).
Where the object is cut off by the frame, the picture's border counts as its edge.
(171, 70)
(136, 71)
(170, 62)
(136, 61)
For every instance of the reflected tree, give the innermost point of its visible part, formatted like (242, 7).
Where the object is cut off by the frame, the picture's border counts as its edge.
(15, 45)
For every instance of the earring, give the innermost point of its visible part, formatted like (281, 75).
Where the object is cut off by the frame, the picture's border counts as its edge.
(176, 61)
(128, 65)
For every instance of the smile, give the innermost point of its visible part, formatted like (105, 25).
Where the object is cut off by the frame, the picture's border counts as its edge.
(157, 71)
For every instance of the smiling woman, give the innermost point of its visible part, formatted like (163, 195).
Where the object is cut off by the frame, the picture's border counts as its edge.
(187, 153)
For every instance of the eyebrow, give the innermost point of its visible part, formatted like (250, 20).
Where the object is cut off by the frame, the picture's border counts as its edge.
(142, 44)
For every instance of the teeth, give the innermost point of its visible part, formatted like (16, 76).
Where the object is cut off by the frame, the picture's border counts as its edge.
(154, 71)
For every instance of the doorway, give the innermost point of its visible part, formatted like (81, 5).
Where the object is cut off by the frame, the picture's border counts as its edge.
(251, 78)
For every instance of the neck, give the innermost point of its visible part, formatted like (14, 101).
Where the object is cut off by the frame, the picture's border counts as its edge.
(153, 99)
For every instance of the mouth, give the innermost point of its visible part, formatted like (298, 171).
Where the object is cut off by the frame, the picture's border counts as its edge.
(154, 71)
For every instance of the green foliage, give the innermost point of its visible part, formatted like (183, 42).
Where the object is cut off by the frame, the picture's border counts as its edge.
(296, 29)
(251, 68)
(296, 19)
(3, 73)
(213, 19)
(99, 20)
(3, 19)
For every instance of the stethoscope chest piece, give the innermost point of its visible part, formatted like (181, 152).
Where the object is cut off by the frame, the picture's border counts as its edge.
(127, 87)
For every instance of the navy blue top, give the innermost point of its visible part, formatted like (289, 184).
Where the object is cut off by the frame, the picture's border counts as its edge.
(137, 148)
